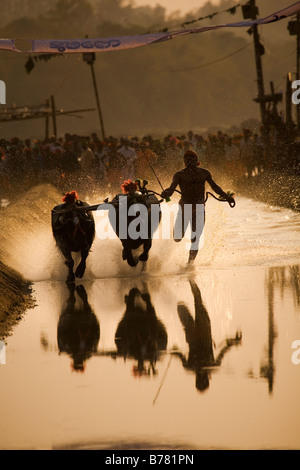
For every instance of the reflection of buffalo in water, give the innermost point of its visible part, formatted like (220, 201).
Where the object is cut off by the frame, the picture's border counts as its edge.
(140, 334)
(199, 338)
(74, 231)
(78, 331)
(133, 209)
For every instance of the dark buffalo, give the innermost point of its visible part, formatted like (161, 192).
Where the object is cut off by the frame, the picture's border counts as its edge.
(140, 334)
(73, 228)
(78, 331)
(141, 219)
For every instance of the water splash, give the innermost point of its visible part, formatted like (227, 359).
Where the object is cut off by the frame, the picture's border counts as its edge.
(251, 234)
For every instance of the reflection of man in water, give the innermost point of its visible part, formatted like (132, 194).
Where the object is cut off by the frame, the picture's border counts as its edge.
(199, 338)
(78, 330)
(140, 334)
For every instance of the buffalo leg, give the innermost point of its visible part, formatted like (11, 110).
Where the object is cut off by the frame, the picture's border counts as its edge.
(69, 262)
(70, 265)
(145, 255)
(82, 265)
(127, 254)
(192, 256)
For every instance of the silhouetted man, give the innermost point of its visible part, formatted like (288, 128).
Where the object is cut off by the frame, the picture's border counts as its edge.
(191, 182)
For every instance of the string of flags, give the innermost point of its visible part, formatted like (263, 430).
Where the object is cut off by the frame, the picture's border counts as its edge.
(232, 11)
(30, 63)
(69, 46)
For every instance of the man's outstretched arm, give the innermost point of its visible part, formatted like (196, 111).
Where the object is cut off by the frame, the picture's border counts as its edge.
(169, 191)
(217, 189)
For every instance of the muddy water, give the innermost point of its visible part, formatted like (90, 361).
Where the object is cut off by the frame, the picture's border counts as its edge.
(219, 373)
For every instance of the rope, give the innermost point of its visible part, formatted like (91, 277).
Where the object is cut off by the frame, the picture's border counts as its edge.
(154, 172)
(232, 204)
(219, 199)
(163, 380)
(74, 64)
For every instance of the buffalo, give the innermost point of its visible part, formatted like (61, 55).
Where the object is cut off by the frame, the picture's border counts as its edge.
(132, 219)
(73, 228)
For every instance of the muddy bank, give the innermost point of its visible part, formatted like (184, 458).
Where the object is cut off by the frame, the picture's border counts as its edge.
(30, 210)
(274, 188)
(15, 299)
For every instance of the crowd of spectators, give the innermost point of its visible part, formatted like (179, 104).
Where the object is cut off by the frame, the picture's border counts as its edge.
(87, 161)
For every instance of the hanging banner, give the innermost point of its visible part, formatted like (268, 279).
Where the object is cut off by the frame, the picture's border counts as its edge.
(7, 45)
(69, 46)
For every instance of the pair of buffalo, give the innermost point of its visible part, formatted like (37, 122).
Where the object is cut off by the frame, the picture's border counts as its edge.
(140, 334)
(73, 226)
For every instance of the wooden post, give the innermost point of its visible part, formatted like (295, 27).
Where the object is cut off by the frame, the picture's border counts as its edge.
(98, 100)
(53, 116)
(288, 101)
(275, 112)
(89, 58)
(259, 70)
(294, 29)
(298, 65)
(250, 11)
(47, 121)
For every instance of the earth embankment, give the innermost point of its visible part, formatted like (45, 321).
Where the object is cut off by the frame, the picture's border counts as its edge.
(15, 299)
(28, 214)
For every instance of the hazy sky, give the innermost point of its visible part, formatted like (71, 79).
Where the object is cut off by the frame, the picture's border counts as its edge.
(172, 5)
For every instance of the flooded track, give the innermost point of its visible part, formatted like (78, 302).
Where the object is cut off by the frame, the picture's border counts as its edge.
(162, 359)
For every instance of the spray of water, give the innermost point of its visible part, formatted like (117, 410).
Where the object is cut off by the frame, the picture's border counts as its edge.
(250, 234)
(28, 246)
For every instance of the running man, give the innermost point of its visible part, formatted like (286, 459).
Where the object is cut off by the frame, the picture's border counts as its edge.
(191, 182)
